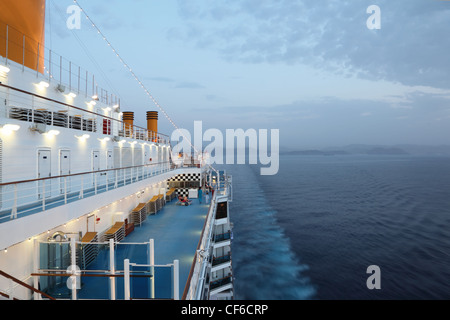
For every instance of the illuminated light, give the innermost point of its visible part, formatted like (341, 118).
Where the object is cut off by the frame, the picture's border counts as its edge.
(72, 95)
(4, 69)
(95, 97)
(107, 109)
(53, 133)
(116, 106)
(83, 137)
(11, 127)
(44, 84)
(122, 141)
(93, 103)
(105, 139)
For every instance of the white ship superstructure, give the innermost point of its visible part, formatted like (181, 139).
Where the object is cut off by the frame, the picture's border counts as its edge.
(78, 180)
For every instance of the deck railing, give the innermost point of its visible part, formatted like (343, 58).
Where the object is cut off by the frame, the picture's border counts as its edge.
(219, 260)
(30, 107)
(22, 198)
(221, 282)
(222, 237)
(194, 289)
(60, 273)
(35, 57)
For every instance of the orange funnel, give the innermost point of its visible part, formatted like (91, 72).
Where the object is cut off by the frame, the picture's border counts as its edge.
(152, 125)
(22, 32)
(128, 121)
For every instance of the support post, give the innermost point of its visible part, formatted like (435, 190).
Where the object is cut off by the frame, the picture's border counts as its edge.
(126, 279)
(74, 277)
(151, 262)
(176, 280)
(112, 269)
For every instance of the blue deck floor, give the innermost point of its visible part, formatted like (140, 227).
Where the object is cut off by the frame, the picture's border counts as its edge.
(176, 231)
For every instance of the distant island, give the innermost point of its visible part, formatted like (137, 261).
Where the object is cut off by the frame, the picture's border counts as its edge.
(372, 150)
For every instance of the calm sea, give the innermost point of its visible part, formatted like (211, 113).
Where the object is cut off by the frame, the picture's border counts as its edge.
(312, 231)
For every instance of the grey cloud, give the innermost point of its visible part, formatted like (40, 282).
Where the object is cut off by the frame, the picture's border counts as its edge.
(189, 85)
(410, 48)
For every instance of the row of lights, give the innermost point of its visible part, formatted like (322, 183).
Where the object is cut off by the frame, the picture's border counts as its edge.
(93, 102)
(107, 139)
(94, 212)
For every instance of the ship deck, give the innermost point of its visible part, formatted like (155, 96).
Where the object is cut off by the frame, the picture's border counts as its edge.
(176, 232)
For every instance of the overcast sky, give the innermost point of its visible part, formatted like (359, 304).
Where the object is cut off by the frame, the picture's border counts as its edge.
(310, 68)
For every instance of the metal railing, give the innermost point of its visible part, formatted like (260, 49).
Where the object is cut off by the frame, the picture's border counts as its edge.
(194, 289)
(114, 274)
(220, 260)
(55, 68)
(21, 284)
(30, 107)
(222, 237)
(22, 198)
(221, 282)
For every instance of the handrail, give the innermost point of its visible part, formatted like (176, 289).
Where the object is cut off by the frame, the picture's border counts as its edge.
(78, 108)
(186, 288)
(7, 296)
(23, 284)
(41, 65)
(81, 173)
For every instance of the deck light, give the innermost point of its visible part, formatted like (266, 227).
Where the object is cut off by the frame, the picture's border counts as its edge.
(83, 137)
(53, 133)
(44, 84)
(10, 127)
(4, 69)
(72, 95)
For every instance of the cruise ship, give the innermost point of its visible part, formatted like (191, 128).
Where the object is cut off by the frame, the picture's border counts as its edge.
(92, 205)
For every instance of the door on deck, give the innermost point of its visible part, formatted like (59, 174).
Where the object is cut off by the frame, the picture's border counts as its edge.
(109, 166)
(95, 167)
(64, 170)
(44, 171)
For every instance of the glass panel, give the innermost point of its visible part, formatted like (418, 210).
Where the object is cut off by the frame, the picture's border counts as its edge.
(136, 253)
(94, 288)
(93, 260)
(55, 256)
(163, 282)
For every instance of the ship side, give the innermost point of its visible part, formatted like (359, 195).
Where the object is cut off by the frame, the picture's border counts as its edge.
(81, 184)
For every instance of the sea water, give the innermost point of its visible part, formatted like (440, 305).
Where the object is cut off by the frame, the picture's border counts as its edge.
(312, 231)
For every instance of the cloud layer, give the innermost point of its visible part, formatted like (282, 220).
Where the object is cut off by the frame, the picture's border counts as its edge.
(410, 48)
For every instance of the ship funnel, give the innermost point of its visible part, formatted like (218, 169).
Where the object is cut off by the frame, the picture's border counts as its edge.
(152, 125)
(128, 122)
(22, 32)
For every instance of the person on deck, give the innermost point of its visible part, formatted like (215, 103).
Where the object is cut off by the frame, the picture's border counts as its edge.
(200, 195)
